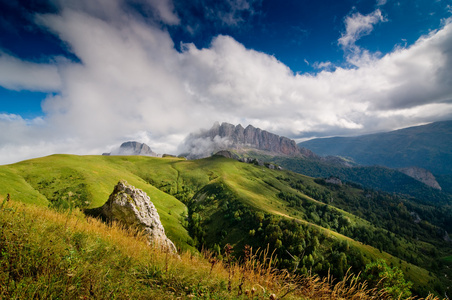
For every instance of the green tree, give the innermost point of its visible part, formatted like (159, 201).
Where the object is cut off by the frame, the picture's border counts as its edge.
(379, 275)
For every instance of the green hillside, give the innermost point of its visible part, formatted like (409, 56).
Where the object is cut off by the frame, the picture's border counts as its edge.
(208, 203)
(372, 177)
(87, 182)
(48, 254)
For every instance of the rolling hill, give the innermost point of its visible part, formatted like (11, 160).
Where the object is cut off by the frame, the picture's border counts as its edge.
(371, 177)
(310, 224)
(253, 143)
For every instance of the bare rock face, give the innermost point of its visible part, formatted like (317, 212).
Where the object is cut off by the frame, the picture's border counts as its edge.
(133, 208)
(227, 136)
(422, 175)
(446, 237)
(133, 148)
(227, 154)
(136, 149)
(334, 180)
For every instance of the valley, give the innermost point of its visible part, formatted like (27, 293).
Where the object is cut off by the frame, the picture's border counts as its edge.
(309, 224)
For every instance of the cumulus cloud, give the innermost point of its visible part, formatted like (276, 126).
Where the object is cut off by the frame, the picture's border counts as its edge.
(132, 84)
(357, 26)
(22, 138)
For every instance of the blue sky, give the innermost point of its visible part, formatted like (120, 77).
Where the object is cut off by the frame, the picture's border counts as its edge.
(298, 31)
(82, 76)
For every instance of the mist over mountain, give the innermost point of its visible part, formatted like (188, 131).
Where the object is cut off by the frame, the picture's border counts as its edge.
(427, 146)
(133, 148)
(257, 144)
(227, 136)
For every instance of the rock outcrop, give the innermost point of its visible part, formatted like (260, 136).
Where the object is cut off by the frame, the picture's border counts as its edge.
(333, 180)
(422, 175)
(133, 208)
(227, 154)
(227, 136)
(248, 160)
(416, 218)
(133, 148)
(446, 237)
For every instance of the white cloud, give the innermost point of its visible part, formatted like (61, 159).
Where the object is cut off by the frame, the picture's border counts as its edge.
(16, 74)
(199, 147)
(219, 14)
(165, 11)
(322, 65)
(133, 84)
(381, 2)
(233, 15)
(119, 10)
(358, 25)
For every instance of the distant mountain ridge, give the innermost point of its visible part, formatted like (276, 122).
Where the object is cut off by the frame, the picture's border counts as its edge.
(228, 136)
(133, 148)
(252, 144)
(426, 146)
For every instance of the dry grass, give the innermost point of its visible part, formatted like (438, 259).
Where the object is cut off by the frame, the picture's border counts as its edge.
(46, 254)
(258, 279)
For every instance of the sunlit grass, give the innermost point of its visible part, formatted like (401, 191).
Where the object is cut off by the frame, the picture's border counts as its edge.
(161, 178)
(98, 175)
(13, 184)
(46, 254)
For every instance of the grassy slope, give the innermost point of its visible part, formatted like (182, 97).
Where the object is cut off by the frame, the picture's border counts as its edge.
(46, 254)
(54, 255)
(99, 174)
(255, 186)
(258, 187)
(18, 188)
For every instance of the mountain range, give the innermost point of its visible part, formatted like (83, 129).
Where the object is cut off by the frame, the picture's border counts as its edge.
(327, 216)
(228, 136)
(311, 225)
(254, 143)
(426, 146)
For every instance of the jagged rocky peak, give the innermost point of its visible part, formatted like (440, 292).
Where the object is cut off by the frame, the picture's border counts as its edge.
(133, 148)
(226, 136)
(422, 175)
(133, 208)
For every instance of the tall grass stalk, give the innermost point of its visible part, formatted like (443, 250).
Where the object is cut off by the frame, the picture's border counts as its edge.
(46, 254)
